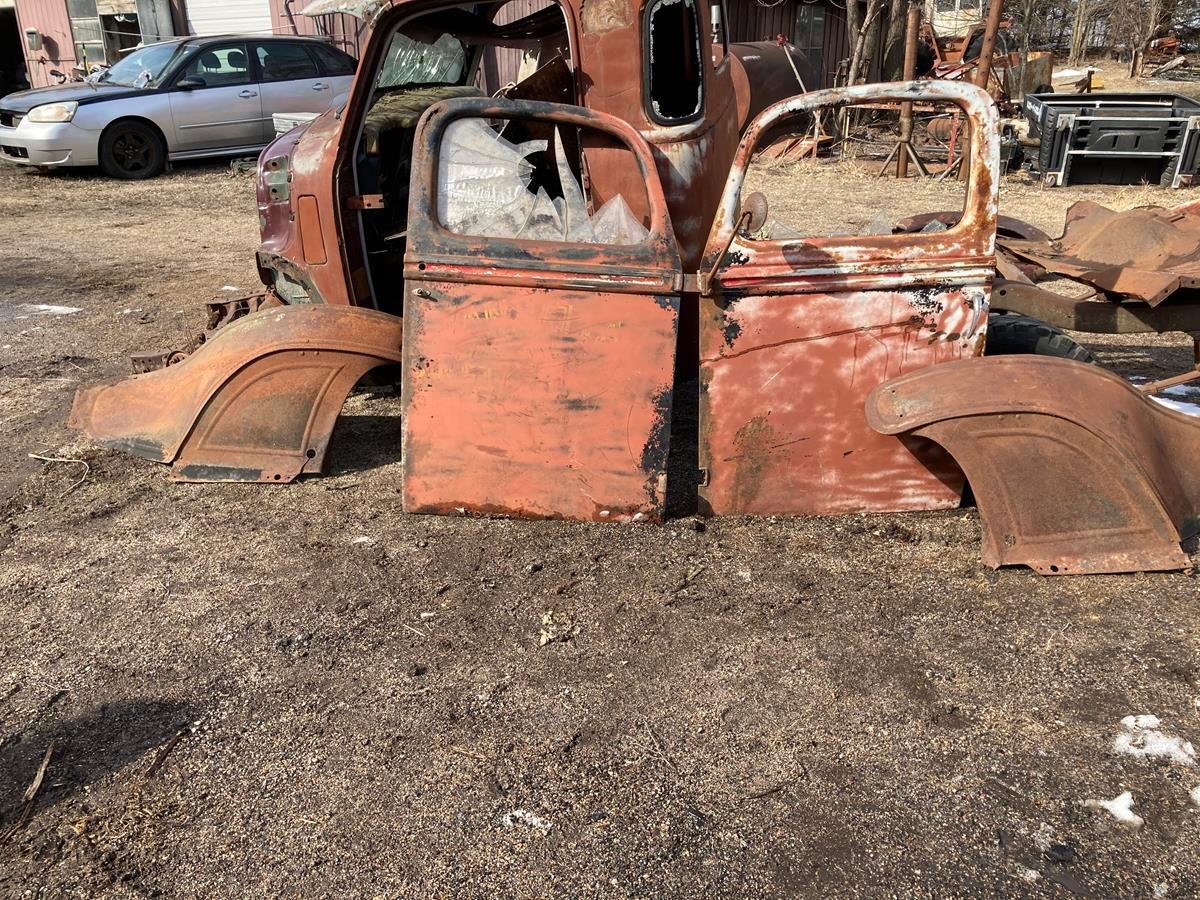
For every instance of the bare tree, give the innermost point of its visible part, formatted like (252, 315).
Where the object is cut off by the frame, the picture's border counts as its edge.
(862, 34)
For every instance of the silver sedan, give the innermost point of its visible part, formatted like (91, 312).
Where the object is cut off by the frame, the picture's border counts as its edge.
(179, 99)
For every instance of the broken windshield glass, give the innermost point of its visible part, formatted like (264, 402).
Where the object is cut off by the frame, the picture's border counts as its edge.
(488, 187)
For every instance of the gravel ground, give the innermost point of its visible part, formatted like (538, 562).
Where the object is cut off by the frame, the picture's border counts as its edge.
(299, 691)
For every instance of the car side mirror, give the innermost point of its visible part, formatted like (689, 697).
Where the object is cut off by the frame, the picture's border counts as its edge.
(192, 81)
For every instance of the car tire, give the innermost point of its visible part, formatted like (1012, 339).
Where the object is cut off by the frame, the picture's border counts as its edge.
(1009, 333)
(132, 150)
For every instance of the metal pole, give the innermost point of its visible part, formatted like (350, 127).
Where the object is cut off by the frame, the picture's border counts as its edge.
(984, 68)
(990, 33)
(910, 72)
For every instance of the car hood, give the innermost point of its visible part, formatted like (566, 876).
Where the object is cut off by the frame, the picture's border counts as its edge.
(81, 93)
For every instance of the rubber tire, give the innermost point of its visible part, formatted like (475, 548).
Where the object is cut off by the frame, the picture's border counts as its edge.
(1168, 172)
(1010, 333)
(154, 147)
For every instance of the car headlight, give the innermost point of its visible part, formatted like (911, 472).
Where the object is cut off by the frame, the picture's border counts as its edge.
(53, 112)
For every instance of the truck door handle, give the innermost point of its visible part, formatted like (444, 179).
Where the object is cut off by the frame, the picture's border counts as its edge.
(246, 95)
(320, 86)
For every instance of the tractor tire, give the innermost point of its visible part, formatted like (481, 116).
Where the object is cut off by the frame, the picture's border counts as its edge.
(1010, 333)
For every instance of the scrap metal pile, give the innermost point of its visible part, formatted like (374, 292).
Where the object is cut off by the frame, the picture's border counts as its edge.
(566, 273)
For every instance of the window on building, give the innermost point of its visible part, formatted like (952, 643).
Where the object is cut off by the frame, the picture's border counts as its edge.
(86, 31)
(674, 49)
(808, 37)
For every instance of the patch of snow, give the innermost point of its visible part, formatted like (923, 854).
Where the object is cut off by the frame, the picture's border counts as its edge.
(524, 817)
(1120, 808)
(46, 309)
(1141, 738)
(1194, 793)
(363, 539)
(1029, 876)
(230, 287)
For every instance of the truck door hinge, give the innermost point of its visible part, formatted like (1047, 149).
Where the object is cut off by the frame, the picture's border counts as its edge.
(365, 201)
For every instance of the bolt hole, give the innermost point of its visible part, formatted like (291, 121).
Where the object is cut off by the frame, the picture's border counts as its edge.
(310, 453)
(1054, 568)
(277, 477)
(421, 267)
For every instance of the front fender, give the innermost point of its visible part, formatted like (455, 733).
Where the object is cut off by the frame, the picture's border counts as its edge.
(257, 402)
(1073, 469)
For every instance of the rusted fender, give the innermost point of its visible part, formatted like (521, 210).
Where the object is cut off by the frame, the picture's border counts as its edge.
(1074, 471)
(257, 402)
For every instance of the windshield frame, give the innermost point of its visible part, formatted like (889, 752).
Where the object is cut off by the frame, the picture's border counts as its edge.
(179, 50)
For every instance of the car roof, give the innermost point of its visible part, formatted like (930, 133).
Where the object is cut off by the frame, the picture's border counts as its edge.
(205, 40)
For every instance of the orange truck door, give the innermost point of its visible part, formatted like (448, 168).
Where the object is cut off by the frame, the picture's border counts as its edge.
(540, 319)
(795, 332)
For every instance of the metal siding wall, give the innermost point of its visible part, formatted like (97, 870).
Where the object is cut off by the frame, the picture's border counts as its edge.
(499, 65)
(752, 21)
(344, 32)
(58, 46)
(228, 16)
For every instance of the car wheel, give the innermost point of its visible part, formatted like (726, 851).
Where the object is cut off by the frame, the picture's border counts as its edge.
(132, 150)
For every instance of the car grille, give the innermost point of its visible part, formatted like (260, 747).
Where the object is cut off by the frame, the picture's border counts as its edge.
(10, 119)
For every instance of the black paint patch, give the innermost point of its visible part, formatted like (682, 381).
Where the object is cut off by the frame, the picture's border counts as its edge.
(579, 404)
(654, 453)
(732, 329)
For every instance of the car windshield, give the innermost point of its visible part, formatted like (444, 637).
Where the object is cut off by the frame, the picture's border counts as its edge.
(144, 67)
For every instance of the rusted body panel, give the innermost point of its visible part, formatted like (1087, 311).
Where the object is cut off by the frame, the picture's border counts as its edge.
(537, 375)
(1147, 254)
(258, 402)
(1074, 471)
(1095, 314)
(794, 334)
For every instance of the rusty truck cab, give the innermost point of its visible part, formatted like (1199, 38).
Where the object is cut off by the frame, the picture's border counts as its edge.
(333, 197)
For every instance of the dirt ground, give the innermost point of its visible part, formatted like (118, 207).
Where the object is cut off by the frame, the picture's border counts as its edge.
(299, 691)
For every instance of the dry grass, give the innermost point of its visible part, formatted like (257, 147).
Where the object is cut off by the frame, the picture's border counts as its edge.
(828, 707)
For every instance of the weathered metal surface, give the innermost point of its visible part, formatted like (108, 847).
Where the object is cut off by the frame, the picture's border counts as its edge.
(537, 374)
(1095, 314)
(1147, 253)
(795, 333)
(257, 402)
(606, 39)
(1074, 471)
(1006, 226)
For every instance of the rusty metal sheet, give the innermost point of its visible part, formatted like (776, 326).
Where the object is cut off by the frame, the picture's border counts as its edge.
(1006, 226)
(783, 383)
(539, 404)
(1074, 471)
(1094, 314)
(537, 374)
(795, 333)
(256, 402)
(1147, 253)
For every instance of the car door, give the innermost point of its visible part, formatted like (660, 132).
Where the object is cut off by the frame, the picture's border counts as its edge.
(292, 80)
(797, 330)
(540, 318)
(215, 103)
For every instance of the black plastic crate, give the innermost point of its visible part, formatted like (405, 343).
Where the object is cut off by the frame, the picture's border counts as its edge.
(1115, 138)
